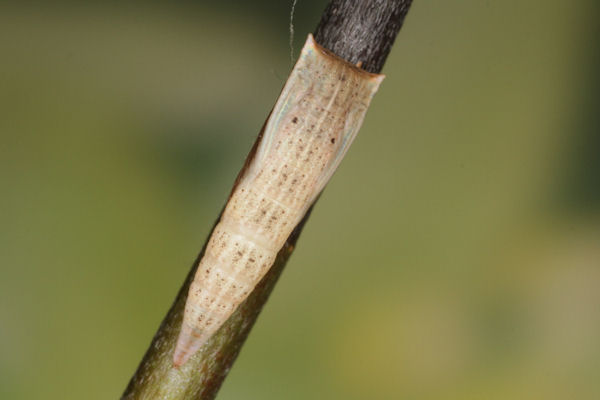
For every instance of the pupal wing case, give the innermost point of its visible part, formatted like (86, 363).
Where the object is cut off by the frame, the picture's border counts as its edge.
(313, 123)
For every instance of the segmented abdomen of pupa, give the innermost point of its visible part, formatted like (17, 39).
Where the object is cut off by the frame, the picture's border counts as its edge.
(312, 124)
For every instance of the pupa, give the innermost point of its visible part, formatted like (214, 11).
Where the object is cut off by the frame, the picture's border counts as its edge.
(314, 121)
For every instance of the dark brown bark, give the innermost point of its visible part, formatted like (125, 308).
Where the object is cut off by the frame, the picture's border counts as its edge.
(362, 31)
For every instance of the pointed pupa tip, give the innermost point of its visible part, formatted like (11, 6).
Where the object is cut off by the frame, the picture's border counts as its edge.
(180, 355)
(177, 361)
(188, 343)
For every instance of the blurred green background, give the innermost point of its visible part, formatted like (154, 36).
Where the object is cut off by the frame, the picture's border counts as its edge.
(455, 254)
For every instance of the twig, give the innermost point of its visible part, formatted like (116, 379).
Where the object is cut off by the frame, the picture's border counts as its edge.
(358, 31)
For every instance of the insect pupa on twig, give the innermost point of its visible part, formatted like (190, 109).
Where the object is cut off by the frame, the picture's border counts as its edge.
(314, 121)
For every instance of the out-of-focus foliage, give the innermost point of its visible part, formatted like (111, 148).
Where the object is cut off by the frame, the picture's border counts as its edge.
(455, 255)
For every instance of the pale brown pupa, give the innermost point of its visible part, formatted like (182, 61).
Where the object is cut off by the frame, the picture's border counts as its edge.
(314, 121)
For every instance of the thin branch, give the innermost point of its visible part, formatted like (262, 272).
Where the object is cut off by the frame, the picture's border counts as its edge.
(359, 31)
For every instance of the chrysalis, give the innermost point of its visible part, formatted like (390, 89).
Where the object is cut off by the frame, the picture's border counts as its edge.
(313, 123)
